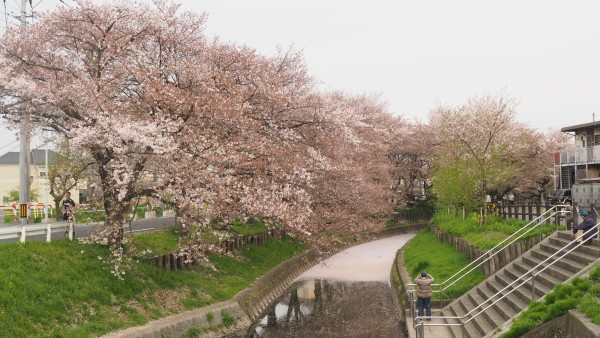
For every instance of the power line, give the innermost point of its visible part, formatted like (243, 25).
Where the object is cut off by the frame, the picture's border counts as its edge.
(11, 150)
(13, 142)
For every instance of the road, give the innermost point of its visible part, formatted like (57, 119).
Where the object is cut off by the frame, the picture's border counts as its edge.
(83, 230)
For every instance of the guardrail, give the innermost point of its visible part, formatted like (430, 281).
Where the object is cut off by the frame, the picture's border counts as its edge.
(21, 232)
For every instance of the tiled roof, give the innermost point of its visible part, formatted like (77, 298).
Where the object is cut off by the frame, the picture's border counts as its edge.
(38, 157)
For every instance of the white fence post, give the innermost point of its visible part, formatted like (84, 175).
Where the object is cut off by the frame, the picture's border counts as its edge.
(48, 232)
(23, 234)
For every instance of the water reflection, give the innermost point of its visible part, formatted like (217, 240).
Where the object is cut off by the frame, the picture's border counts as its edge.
(321, 308)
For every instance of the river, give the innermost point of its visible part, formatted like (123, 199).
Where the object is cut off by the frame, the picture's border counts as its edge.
(347, 295)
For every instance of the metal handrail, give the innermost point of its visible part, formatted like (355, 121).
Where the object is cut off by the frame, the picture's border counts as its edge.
(569, 246)
(554, 210)
(533, 273)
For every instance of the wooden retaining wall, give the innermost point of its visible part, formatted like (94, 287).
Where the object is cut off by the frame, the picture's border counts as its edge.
(176, 261)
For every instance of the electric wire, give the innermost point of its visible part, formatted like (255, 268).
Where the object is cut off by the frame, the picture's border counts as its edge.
(11, 143)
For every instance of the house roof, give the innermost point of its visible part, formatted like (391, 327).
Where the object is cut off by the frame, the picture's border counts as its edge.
(38, 157)
(580, 126)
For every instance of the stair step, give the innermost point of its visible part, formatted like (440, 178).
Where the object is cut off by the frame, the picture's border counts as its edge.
(513, 275)
(558, 272)
(490, 313)
(456, 331)
(566, 263)
(502, 307)
(516, 302)
(573, 255)
(502, 302)
(568, 236)
(523, 292)
(480, 323)
(543, 277)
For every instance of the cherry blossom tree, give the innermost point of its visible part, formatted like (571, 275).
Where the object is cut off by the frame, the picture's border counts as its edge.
(411, 156)
(223, 131)
(481, 148)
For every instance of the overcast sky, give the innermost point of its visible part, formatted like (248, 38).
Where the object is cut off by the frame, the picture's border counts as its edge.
(418, 54)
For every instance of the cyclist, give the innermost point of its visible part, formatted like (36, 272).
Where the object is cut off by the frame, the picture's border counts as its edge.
(68, 210)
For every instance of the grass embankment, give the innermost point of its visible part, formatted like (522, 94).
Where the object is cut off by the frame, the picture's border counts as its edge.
(488, 235)
(62, 289)
(581, 294)
(426, 253)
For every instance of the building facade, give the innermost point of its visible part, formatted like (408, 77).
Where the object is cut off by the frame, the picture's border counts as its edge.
(9, 176)
(578, 169)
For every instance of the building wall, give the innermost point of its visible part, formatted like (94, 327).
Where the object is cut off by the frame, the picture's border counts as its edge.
(586, 194)
(9, 180)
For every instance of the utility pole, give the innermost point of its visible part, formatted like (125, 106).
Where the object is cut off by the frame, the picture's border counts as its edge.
(24, 152)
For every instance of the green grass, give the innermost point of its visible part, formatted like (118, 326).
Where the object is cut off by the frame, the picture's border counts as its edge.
(581, 294)
(488, 235)
(159, 242)
(247, 229)
(62, 289)
(426, 253)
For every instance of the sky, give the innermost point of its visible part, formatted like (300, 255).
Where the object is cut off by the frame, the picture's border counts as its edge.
(417, 55)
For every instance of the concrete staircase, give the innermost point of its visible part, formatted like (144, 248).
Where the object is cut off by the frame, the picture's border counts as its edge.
(517, 300)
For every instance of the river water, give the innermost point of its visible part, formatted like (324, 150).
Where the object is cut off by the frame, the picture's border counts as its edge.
(347, 295)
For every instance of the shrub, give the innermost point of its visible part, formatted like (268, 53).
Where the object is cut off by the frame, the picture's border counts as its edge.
(391, 223)
(228, 318)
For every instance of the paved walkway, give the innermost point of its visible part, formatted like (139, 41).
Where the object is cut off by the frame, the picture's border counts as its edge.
(369, 262)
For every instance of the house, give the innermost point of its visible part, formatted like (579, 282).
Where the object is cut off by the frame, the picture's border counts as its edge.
(579, 169)
(9, 175)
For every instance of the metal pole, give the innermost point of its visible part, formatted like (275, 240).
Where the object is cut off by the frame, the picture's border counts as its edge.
(24, 155)
(47, 186)
(532, 286)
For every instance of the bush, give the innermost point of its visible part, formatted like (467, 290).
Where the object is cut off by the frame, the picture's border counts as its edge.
(391, 224)
(227, 318)
(563, 298)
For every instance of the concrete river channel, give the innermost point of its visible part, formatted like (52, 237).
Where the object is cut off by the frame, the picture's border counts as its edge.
(347, 295)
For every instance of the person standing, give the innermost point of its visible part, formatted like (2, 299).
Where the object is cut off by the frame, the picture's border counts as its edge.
(424, 292)
(68, 205)
(68, 212)
(587, 223)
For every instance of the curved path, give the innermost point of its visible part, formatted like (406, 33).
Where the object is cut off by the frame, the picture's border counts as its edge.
(369, 262)
(347, 295)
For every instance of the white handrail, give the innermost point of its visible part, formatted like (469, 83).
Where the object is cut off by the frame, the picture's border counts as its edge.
(533, 274)
(538, 221)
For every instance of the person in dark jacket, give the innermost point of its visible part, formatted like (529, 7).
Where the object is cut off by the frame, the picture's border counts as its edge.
(587, 223)
(424, 282)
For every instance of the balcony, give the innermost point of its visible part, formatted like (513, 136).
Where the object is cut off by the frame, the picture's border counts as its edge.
(580, 156)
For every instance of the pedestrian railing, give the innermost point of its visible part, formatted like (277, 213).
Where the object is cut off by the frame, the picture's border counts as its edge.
(522, 280)
(517, 235)
(21, 232)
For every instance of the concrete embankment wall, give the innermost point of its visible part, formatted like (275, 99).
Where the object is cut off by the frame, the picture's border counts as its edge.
(253, 302)
(573, 324)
